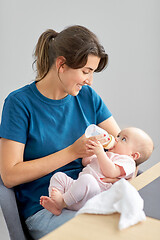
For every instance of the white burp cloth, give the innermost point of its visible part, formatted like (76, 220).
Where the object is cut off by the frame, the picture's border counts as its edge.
(123, 198)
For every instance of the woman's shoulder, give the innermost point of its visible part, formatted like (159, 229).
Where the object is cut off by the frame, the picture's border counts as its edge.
(19, 93)
(19, 98)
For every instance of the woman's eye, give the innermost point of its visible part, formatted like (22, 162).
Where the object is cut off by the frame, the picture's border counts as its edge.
(85, 72)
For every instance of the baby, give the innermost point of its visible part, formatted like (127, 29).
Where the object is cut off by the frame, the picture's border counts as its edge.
(132, 147)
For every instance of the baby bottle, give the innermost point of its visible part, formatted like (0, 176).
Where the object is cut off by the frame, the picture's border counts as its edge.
(93, 130)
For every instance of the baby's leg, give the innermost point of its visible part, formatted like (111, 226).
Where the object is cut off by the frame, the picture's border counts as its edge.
(60, 181)
(84, 188)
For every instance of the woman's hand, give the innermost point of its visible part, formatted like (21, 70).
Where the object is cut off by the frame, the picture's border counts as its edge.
(80, 146)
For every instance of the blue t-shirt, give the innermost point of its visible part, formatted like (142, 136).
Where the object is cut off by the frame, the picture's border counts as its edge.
(46, 126)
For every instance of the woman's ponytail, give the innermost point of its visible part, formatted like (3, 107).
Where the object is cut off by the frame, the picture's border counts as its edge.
(74, 43)
(45, 53)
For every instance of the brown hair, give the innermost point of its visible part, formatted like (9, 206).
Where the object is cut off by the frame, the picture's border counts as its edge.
(74, 43)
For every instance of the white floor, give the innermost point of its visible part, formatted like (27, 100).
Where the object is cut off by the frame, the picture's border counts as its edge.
(3, 229)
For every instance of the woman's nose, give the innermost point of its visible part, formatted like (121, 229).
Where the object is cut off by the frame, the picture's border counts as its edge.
(89, 80)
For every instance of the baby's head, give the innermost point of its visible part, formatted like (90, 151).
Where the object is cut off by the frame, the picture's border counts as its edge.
(135, 143)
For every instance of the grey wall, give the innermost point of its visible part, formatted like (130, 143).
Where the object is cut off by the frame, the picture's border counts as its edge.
(130, 33)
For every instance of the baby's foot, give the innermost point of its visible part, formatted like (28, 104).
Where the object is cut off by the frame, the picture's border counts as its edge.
(57, 197)
(50, 205)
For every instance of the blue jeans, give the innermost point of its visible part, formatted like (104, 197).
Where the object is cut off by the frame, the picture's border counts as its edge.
(43, 222)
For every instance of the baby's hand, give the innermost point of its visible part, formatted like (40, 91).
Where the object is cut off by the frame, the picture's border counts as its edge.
(94, 147)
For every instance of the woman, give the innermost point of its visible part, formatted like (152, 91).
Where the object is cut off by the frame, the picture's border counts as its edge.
(43, 124)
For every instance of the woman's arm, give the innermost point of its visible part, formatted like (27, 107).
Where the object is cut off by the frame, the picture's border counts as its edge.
(15, 171)
(111, 126)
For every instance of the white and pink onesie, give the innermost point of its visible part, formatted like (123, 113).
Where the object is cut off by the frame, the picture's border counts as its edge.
(88, 184)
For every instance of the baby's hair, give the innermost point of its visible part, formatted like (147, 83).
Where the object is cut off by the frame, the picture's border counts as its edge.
(146, 152)
(74, 43)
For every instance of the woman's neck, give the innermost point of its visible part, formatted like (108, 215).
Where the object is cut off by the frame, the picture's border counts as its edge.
(51, 87)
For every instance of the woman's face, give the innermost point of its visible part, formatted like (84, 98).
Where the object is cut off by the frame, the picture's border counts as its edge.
(73, 79)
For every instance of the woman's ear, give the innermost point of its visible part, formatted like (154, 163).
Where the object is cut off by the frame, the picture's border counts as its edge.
(60, 61)
(136, 155)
